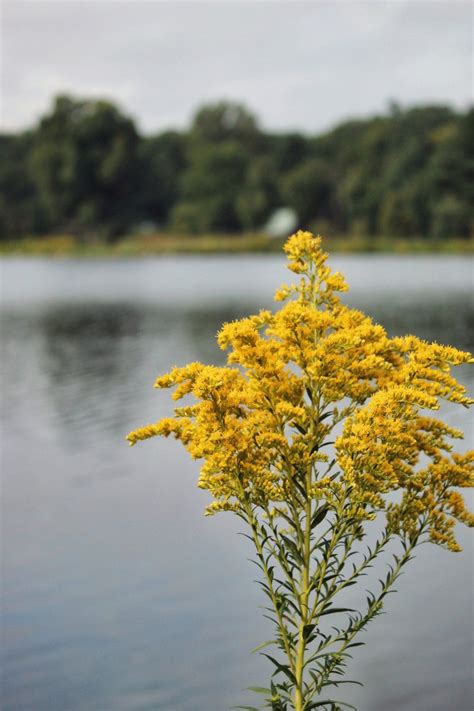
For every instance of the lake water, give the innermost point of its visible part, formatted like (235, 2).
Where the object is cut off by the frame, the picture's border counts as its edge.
(118, 595)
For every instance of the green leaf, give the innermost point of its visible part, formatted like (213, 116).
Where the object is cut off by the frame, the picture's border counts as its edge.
(344, 681)
(319, 516)
(245, 535)
(259, 690)
(331, 610)
(316, 704)
(283, 668)
(326, 444)
(292, 546)
(263, 645)
(308, 632)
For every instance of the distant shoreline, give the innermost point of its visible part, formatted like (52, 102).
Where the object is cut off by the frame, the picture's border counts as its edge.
(161, 244)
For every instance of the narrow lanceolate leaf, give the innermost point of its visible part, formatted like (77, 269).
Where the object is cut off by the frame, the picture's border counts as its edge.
(318, 516)
(292, 547)
(326, 444)
(259, 690)
(355, 644)
(263, 645)
(283, 668)
(327, 702)
(333, 610)
(308, 632)
(299, 427)
(342, 681)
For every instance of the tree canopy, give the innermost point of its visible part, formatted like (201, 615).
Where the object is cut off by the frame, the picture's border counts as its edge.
(85, 169)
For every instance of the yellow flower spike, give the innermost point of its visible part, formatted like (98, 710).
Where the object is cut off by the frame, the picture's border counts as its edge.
(319, 424)
(282, 293)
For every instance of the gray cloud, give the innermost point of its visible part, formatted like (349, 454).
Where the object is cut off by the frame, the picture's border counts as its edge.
(301, 65)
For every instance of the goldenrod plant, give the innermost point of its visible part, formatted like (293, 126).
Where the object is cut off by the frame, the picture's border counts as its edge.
(317, 431)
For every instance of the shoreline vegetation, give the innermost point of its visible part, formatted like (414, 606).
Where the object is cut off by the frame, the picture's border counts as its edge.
(85, 172)
(166, 243)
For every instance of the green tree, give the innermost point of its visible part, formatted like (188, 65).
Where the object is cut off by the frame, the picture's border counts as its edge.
(288, 150)
(85, 169)
(162, 165)
(399, 215)
(226, 121)
(309, 190)
(259, 194)
(84, 165)
(449, 175)
(20, 213)
(450, 217)
(209, 189)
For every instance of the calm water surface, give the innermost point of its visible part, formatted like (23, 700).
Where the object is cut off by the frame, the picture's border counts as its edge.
(118, 595)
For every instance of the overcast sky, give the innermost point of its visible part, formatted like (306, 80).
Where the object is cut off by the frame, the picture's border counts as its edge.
(297, 65)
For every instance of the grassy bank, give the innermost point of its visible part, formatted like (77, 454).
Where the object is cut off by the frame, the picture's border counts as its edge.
(156, 244)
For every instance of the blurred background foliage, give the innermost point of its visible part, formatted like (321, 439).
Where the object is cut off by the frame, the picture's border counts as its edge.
(85, 170)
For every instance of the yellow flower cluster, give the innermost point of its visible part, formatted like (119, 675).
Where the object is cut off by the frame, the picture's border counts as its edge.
(259, 427)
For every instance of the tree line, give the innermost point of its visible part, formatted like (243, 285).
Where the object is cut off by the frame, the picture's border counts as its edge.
(86, 170)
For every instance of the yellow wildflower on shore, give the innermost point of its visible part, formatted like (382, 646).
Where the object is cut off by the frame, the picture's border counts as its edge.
(312, 375)
(303, 369)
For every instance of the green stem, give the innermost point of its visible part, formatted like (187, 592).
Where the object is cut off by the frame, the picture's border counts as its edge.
(304, 595)
(273, 596)
(337, 535)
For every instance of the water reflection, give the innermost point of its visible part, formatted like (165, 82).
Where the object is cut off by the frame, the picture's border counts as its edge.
(437, 317)
(95, 356)
(86, 358)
